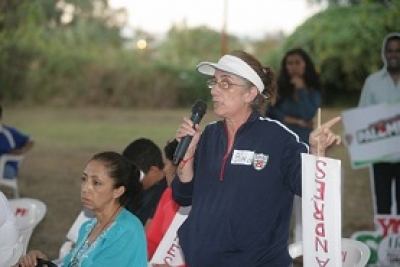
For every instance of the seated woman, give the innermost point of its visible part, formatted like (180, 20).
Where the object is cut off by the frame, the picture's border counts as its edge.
(114, 237)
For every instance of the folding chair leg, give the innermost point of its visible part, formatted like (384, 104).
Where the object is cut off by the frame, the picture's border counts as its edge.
(16, 193)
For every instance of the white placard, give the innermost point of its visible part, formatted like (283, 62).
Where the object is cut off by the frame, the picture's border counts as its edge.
(372, 134)
(321, 207)
(169, 251)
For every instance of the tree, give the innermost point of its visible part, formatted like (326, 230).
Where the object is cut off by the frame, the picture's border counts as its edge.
(35, 34)
(345, 50)
(347, 2)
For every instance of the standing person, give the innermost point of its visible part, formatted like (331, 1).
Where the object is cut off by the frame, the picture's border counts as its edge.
(299, 94)
(145, 154)
(383, 86)
(114, 237)
(299, 97)
(240, 174)
(13, 142)
(166, 208)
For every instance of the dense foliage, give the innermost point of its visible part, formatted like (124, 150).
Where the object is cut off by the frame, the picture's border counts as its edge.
(72, 54)
(345, 43)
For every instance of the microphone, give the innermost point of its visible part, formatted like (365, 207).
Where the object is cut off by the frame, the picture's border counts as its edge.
(198, 111)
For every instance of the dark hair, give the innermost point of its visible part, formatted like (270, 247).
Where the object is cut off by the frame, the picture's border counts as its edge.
(311, 77)
(267, 75)
(124, 173)
(169, 149)
(144, 153)
(389, 39)
(1, 111)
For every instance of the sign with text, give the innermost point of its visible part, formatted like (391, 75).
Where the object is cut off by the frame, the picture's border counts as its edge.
(384, 242)
(372, 134)
(169, 251)
(321, 207)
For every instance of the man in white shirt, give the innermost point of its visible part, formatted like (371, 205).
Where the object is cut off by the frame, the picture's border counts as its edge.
(383, 86)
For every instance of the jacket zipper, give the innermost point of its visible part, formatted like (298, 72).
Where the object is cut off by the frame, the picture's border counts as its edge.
(225, 158)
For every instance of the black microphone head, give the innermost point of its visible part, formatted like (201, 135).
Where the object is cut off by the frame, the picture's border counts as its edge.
(199, 107)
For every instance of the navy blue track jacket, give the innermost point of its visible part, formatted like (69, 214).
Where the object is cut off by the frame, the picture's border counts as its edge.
(241, 200)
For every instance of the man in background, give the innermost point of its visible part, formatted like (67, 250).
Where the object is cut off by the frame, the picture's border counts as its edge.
(383, 86)
(148, 157)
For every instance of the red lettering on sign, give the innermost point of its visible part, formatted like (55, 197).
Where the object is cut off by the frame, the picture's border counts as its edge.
(172, 251)
(389, 225)
(21, 212)
(322, 263)
(320, 173)
(321, 243)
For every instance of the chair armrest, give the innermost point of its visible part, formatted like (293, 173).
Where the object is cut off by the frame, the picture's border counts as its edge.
(66, 248)
(10, 157)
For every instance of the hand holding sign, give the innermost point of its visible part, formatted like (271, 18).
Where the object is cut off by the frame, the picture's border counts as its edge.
(323, 137)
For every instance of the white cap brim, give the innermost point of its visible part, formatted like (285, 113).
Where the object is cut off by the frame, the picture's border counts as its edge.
(232, 65)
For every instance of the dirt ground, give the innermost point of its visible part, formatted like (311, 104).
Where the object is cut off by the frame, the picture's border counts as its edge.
(51, 171)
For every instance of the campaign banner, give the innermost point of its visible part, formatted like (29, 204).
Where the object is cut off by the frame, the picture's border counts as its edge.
(321, 207)
(372, 134)
(169, 250)
(384, 242)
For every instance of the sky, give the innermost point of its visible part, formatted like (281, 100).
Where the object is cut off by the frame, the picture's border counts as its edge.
(244, 18)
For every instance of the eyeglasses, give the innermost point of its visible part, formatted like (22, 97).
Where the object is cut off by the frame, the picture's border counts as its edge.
(225, 85)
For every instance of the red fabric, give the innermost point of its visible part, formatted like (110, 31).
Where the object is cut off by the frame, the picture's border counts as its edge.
(163, 217)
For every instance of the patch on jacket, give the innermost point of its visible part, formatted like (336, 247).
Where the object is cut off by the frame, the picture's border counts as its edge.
(260, 160)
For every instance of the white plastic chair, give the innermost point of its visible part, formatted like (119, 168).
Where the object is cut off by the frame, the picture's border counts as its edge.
(357, 253)
(72, 234)
(10, 182)
(10, 239)
(29, 213)
(12, 254)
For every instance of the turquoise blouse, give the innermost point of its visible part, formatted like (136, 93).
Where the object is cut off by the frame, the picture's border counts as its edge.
(122, 244)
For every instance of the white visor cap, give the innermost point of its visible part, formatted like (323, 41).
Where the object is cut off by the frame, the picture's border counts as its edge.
(232, 65)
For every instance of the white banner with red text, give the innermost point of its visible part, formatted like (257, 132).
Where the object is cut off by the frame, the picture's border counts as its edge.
(169, 251)
(372, 134)
(321, 207)
(384, 242)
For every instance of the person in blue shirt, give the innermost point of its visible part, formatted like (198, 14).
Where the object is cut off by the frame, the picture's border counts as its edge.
(299, 93)
(114, 237)
(240, 173)
(299, 97)
(13, 142)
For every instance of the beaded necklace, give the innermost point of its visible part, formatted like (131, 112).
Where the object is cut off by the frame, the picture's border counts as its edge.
(85, 245)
